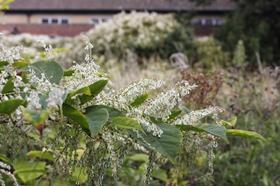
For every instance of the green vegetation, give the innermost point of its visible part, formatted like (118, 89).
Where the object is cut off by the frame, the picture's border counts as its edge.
(70, 124)
(256, 22)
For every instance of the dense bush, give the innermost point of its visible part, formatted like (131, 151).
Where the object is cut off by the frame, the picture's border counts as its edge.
(144, 34)
(65, 126)
(209, 54)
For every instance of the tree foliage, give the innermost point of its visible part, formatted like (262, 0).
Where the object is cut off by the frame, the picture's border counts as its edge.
(257, 23)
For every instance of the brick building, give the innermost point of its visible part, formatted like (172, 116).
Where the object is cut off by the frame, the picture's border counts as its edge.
(71, 17)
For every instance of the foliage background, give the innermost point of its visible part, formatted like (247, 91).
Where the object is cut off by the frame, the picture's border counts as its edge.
(250, 95)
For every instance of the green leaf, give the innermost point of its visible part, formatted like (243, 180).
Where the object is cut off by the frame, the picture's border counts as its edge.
(76, 116)
(28, 171)
(174, 114)
(139, 157)
(112, 111)
(35, 118)
(21, 64)
(80, 175)
(9, 87)
(4, 159)
(231, 122)
(44, 155)
(88, 92)
(3, 63)
(168, 144)
(139, 100)
(160, 174)
(215, 130)
(95, 89)
(9, 106)
(245, 134)
(126, 123)
(4, 5)
(68, 72)
(52, 70)
(97, 118)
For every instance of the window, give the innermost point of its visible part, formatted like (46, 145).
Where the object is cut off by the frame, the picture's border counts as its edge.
(211, 21)
(45, 21)
(220, 21)
(94, 21)
(104, 19)
(54, 21)
(203, 21)
(64, 21)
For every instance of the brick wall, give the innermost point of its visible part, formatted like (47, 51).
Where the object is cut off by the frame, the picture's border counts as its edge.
(52, 30)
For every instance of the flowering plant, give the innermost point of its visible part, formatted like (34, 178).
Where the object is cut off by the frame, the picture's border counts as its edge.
(71, 122)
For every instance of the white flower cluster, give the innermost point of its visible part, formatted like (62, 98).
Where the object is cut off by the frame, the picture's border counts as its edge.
(56, 97)
(5, 170)
(42, 84)
(3, 79)
(30, 44)
(162, 106)
(150, 127)
(121, 100)
(195, 116)
(4, 166)
(10, 54)
(135, 29)
(34, 101)
(159, 107)
(134, 90)
(83, 75)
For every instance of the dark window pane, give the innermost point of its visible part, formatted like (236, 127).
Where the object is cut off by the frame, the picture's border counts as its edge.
(208, 22)
(94, 21)
(64, 21)
(54, 21)
(45, 20)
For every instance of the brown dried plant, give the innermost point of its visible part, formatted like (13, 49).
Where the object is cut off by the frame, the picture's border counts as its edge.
(207, 90)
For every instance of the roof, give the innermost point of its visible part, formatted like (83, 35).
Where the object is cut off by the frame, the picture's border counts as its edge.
(117, 5)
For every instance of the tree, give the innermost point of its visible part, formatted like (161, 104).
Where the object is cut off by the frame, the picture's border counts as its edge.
(257, 23)
(4, 4)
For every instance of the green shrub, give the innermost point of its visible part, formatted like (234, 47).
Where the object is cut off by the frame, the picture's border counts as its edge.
(209, 54)
(67, 126)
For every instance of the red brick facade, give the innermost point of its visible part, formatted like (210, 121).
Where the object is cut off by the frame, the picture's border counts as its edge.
(40, 29)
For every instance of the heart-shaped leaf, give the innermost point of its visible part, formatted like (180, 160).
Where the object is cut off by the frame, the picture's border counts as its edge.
(168, 144)
(9, 106)
(97, 118)
(76, 116)
(52, 70)
(126, 123)
(112, 111)
(87, 93)
(216, 130)
(28, 171)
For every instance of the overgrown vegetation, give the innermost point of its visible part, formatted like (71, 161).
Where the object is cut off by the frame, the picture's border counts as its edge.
(79, 125)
